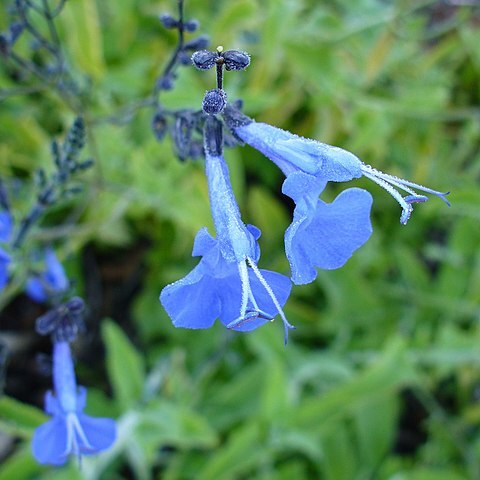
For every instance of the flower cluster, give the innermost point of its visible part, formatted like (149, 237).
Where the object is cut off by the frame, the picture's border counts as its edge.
(69, 431)
(227, 284)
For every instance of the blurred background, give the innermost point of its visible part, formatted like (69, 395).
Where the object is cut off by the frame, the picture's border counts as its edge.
(381, 379)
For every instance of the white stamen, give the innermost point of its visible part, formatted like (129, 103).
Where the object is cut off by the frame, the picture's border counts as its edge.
(75, 436)
(406, 207)
(272, 296)
(388, 182)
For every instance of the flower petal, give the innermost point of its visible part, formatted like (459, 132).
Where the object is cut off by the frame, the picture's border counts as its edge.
(192, 302)
(325, 235)
(49, 442)
(280, 286)
(6, 224)
(100, 433)
(203, 243)
(54, 274)
(35, 290)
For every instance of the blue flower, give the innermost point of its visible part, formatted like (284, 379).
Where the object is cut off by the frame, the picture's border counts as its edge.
(70, 431)
(292, 153)
(6, 225)
(50, 282)
(323, 235)
(226, 284)
(242, 296)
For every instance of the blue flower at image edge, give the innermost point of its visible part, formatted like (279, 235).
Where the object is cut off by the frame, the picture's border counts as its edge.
(70, 431)
(6, 225)
(323, 235)
(52, 281)
(214, 289)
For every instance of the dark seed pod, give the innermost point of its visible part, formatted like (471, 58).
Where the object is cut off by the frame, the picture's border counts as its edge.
(204, 60)
(198, 43)
(63, 322)
(16, 30)
(168, 21)
(236, 60)
(86, 164)
(159, 126)
(196, 150)
(214, 101)
(165, 82)
(191, 26)
(184, 58)
(75, 305)
(182, 135)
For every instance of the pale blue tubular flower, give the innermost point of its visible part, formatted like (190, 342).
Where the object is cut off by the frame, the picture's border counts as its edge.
(226, 284)
(49, 283)
(70, 431)
(321, 235)
(292, 153)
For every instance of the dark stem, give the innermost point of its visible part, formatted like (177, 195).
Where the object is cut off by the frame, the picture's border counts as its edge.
(220, 73)
(174, 58)
(27, 223)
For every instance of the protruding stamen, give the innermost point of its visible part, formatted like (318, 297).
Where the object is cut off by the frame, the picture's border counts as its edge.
(287, 326)
(416, 198)
(389, 182)
(247, 294)
(249, 316)
(74, 428)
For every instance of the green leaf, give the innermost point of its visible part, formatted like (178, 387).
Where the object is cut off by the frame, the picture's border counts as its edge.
(339, 460)
(81, 20)
(19, 418)
(164, 423)
(19, 466)
(124, 365)
(387, 374)
(243, 450)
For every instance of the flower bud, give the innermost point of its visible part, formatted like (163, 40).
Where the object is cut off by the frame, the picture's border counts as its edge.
(204, 60)
(198, 43)
(236, 60)
(159, 126)
(190, 25)
(214, 101)
(168, 21)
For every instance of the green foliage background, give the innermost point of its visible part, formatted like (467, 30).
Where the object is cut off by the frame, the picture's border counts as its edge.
(395, 82)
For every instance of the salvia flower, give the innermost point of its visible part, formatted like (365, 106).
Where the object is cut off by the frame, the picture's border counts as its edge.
(226, 284)
(69, 431)
(242, 296)
(50, 283)
(322, 235)
(293, 153)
